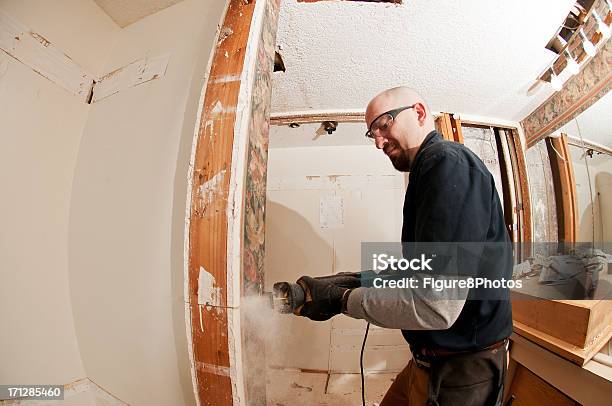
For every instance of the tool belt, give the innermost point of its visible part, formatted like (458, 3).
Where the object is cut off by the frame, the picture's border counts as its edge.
(445, 366)
(426, 353)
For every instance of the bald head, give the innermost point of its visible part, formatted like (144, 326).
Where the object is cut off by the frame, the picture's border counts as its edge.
(394, 98)
(401, 140)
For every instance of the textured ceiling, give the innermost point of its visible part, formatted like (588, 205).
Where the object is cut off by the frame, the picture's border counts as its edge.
(126, 12)
(473, 57)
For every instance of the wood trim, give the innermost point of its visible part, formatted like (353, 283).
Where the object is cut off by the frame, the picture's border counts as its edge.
(564, 186)
(510, 201)
(455, 122)
(476, 123)
(317, 117)
(577, 355)
(521, 176)
(444, 126)
(232, 136)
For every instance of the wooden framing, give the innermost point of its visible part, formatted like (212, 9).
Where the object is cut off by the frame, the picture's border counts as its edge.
(223, 250)
(564, 186)
(449, 127)
(523, 202)
(517, 208)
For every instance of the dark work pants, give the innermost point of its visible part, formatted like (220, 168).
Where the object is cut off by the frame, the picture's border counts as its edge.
(467, 379)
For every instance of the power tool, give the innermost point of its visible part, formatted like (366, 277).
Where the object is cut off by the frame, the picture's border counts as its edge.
(286, 297)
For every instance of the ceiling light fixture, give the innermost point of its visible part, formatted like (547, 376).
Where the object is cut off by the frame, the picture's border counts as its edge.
(572, 66)
(588, 46)
(601, 26)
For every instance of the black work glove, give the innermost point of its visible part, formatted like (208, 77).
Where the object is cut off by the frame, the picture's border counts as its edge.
(323, 298)
(349, 280)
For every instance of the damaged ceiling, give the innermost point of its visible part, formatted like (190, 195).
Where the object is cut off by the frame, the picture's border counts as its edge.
(126, 12)
(471, 57)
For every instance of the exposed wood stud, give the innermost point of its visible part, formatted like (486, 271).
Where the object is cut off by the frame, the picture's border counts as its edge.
(564, 186)
(208, 220)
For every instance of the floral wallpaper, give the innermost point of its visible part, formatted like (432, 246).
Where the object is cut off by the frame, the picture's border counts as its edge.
(257, 159)
(578, 94)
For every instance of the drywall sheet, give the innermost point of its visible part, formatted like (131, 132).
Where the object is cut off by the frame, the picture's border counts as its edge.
(41, 127)
(131, 176)
(323, 202)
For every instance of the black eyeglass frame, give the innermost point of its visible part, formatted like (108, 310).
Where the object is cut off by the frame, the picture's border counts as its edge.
(393, 113)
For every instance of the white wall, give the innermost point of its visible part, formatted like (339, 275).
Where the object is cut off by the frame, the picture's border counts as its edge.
(40, 131)
(127, 214)
(303, 176)
(603, 183)
(600, 168)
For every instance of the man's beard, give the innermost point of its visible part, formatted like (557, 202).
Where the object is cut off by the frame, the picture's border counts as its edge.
(401, 160)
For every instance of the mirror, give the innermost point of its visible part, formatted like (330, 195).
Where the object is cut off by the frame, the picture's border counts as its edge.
(570, 184)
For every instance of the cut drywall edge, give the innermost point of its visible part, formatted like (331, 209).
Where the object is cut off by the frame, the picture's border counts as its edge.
(40, 55)
(134, 74)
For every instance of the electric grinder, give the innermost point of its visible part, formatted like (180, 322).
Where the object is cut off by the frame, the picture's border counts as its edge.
(287, 297)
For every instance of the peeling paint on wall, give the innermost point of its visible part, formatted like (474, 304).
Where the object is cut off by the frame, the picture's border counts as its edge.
(208, 293)
(213, 369)
(210, 189)
(40, 55)
(226, 32)
(134, 74)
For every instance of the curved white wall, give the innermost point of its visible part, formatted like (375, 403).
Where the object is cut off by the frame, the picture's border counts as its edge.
(40, 131)
(127, 213)
(93, 205)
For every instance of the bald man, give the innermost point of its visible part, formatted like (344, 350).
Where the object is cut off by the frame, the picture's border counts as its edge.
(457, 336)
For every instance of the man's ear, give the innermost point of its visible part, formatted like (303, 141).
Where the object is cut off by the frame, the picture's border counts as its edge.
(421, 112)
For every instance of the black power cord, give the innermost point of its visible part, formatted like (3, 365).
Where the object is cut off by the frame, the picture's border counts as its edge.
(365, 337)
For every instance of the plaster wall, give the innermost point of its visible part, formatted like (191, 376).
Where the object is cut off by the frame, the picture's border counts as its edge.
(323, 200)
(128, 208)
(40, 131)
(600, 168)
